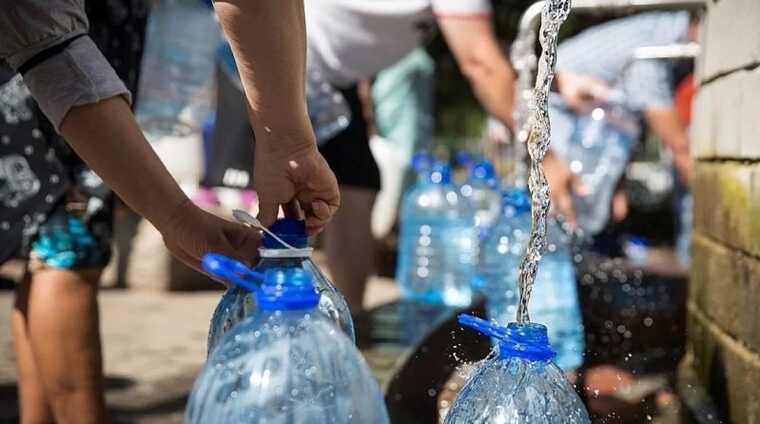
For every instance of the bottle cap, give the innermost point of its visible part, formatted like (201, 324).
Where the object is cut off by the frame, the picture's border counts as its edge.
(517, 200)
(518, 340)
(421, 161)
(287, 290)
(484, 171)
(291, 231)
(441, 173)
(463, 158)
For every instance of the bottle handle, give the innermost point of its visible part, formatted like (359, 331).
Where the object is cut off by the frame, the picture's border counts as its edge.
(482, 326)
(230, 270)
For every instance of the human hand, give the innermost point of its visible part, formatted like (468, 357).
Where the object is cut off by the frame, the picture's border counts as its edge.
(284, 176)
(562, 184)
(192, 232)
(582, 92)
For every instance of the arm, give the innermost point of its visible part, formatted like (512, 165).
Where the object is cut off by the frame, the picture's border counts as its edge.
(477, 52)
(83, 97)
(667, 125)
(106, 136)
(268, 41)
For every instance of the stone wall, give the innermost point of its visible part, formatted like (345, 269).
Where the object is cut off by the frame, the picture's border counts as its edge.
(724, 300)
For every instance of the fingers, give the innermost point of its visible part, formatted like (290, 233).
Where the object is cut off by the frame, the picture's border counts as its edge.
(317, 217)
(239, 242)
(268, 209)
(292, 210)
(563, 201)
(619, 206)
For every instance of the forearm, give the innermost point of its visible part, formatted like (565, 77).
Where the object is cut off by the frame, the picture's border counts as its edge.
(477, 52)
(106, 136)
(666, 124)
(268, 39)
(493, 84)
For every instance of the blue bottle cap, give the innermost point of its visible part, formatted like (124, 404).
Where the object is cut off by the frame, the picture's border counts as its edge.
(517, 200)
(463, 157)
(421, 161)
(528, 341)
(287, 290)
(484, 171)
(291, 231)
(441, 173)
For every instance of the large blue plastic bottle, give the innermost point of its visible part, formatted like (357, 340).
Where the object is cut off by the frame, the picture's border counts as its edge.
(519, 384)
(438, 243)
(554, 301)
(236, 303)
(286, 364)
(481, 192)
(502, 248)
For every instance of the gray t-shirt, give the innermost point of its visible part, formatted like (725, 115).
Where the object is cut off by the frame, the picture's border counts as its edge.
(606, 52)
(31, 31)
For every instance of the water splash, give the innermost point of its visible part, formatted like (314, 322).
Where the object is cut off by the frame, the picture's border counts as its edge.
(553, 15)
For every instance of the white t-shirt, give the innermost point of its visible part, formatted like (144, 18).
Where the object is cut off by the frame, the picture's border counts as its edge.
(349, 40)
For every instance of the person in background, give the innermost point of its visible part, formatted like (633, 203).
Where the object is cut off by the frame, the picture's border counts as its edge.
(47, 42)
(353, 41)
(402, 99)
(599, 60)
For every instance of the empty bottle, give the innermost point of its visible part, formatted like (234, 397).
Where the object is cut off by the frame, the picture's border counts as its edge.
(502, 248)
(555, 295)
(481, 192)
(236, 304)
(286, 364)
(180, 50)
(598, 154)
(519, 384)
(437, 245)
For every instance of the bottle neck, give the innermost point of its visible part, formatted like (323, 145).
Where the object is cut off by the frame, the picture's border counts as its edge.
(285, 253)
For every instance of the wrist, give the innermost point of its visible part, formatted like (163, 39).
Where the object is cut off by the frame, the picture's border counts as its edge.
(166, 218)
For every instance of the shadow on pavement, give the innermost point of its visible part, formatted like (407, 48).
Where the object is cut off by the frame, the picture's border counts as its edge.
(162, 402)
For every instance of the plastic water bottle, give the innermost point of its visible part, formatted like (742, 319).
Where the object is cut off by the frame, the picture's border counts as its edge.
(598, 154)
(328, 110)
(502, 248)
(286, 364)
(176, 92)
(437, 246)
(481, 192)
(236, 303)
(555, 300)
(519, 384)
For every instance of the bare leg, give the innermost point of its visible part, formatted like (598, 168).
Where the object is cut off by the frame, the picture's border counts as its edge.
(63, 327)
(350, 246)
(32, 403)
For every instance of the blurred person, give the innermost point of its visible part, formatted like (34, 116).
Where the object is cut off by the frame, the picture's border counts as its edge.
(402, 97)
(353, 41)
(600, 60)
(47, 43)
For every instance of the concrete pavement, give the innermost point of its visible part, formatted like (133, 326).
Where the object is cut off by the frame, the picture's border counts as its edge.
(154, 344)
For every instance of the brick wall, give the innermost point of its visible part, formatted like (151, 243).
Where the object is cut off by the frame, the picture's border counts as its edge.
(724, 300)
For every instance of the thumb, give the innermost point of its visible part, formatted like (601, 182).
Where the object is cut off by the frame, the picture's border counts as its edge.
(268, 210)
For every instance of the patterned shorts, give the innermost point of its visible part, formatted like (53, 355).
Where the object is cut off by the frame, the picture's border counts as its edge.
(64, 241)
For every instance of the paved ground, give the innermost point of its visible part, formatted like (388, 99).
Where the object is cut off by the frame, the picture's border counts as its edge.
(154, 345)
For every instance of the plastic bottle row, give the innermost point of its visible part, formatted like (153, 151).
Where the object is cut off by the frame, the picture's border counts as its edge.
(459, 241)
